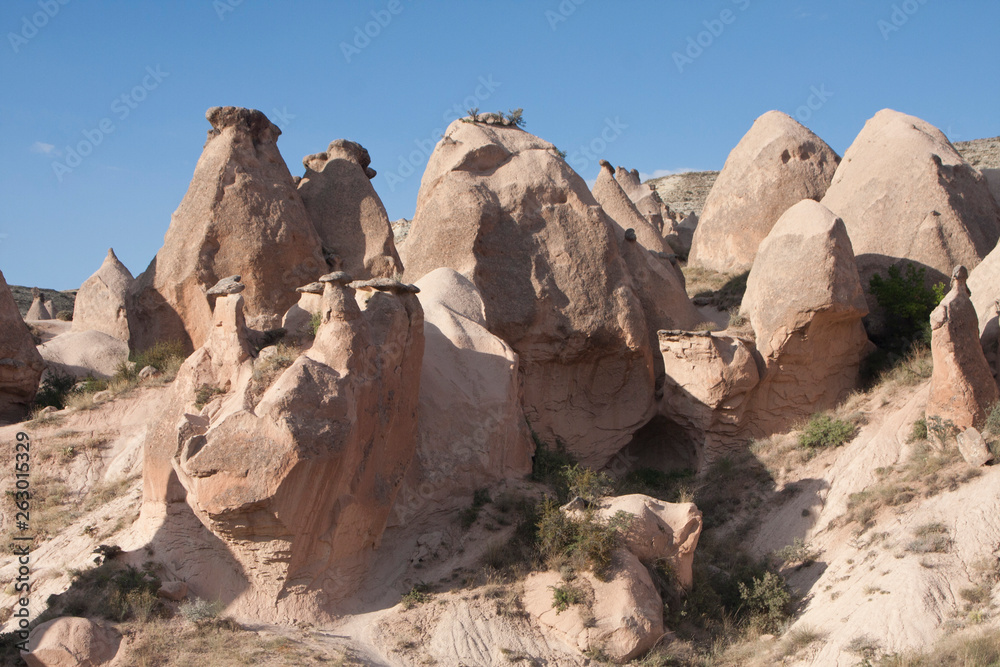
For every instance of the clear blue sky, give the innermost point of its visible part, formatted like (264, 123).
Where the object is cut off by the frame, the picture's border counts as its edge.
(574, 66)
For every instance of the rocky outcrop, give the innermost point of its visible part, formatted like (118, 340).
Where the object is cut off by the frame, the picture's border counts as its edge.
(471, 432)
(621, 617)
(501, 207)
(710, 380)
(20, 364)
(297, 478)
(84, 353)
(347, 212)
(777, 163)
(241, 215)
(101, 300)
(805, 303)
(658, 280)
(297, 319)
(904, 192)
(70, 641)
(962, 385)
(39, 309)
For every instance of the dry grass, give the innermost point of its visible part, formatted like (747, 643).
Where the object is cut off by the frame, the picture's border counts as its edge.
(266, 371)
(970, 649)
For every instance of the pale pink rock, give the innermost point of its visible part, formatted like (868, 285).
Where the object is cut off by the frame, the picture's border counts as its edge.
(101, 301)
(21, 365)
(70, 641)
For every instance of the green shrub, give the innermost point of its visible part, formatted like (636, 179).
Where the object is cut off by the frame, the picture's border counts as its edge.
(919, 431)
(586, 543)
(766, 601)
(54, 390)
(586, 483)
(161, 356)
(314, 323)
(205, 394)
(65, 316)
(565, 595)
(992, 423)
(547, 466)
(200, 611)
(672, 487)
(823, 431)
(906, 303)
(419, 594)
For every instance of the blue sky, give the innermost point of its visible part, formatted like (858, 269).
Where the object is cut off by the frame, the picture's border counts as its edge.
(657, 86)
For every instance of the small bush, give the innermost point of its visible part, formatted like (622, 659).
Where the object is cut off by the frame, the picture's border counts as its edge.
(547, 467)
(918, 432)
(163, 356)
(314, 323)
(766, 600)
(941, 430)
(65, 316)
(200, 611)
(586, 483)
(906, 303)
(54, 390)
(992, 423)
(586, 543)
(419, 594)
(205, 394)
(565, 595)
(930, 538)
(823, 431)
(798, 552)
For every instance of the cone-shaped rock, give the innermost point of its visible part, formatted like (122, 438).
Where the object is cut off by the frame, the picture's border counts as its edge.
(39, 309)
(904, 192)
(347, 212)
(962, 385)
(777, 163)
(805, 303)
(21, 365)
(500, 206)
(241, 215)
(100, 303)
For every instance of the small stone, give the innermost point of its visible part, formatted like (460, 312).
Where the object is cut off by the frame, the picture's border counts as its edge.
(311, 288)
(173, 590)
(630, 234)
(230, 285)
(148, 372)
(102, 396)
(973, 447)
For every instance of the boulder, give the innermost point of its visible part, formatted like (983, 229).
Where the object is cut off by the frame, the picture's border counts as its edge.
(347, 212)
(658, 531)
(622, 617)
(84, 353)
(777, 163)
(962, 385)
(299, 484)
(101, 301)
(501, 207)
(39, 308)
(710, 380)
(173, 590)
(805, 303)
(241, 215)
(904, 192)
(471, 432)
(658, 281)
(70, 641)
(21, 365)
(973, 448)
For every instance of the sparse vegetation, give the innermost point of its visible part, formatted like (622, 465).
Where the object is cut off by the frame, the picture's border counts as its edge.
(469, 515)
(314, 323)
(797, 553)
(979, 648)
(722, 290)
(823, 431)
(204, 395)
(200, 611)
(419, 594)
(906, 304)
(54, 390)
(582, 543)
(565, 595)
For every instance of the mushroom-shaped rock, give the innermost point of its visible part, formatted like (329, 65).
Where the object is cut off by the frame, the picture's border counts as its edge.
(962, 385)
(240, 215)
(471, 431)
(70, 641)
(38, 310)
(337, 278)
(100, 303)
(904, 192)
(500, 207)
(230, 285)
(385, 285)
(805, 302)
(311, 288)
(776, 164)
(622, 616)
(347, 212)
(21, 365)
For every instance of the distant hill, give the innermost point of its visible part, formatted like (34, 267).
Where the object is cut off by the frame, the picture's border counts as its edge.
(62, 300)
(687, 192)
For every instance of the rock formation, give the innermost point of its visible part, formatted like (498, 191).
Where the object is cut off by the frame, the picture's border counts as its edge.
(347, 212)
(84, 353)
(20, 364)
(805, 302)
(328, 443)
(241, 215)
(297, 318)
(647, 201)
(471, 432)
(904, 192)
(70, 641)
(777, 163)
(500, 206)
(962, 385)
(710, 380)
(100, 303)
(39, 309)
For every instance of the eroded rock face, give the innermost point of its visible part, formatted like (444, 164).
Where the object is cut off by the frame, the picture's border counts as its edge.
(805, 302)
(101, 301)
(627, 610)
(710, 380)
(299, 484)
(500, 206)
(472, 433)
(647, 200)
(21, 365)
(347, 212)
(241, 215)
(71, 641)
(904, 192)
(777, 163)
(962, 385)
(39, 308)
(83, 353)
